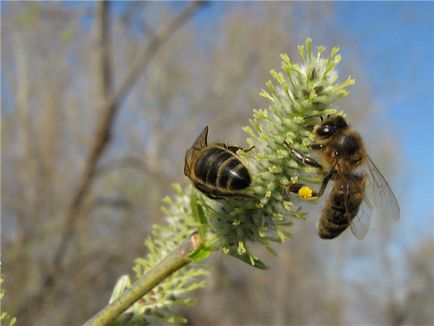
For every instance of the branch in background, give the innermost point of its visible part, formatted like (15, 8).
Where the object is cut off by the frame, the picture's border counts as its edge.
(105, 71)
(160, 36)
(108, 109)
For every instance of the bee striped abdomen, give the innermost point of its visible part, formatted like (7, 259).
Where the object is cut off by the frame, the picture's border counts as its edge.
(332, 222)
(220, 168)
(208, 164)
(336, 216)
(236, 175)
(215, 170)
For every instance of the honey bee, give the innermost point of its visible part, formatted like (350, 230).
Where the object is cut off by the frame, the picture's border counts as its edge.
(215, 169)
(359, 191)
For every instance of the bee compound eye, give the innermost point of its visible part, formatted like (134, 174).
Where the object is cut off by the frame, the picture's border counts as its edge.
(326, 130)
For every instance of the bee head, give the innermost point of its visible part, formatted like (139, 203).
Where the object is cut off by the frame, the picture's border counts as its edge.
(330, 127)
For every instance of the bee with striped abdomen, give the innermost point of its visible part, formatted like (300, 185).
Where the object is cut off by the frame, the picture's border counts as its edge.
(215, 169)
(359, 190)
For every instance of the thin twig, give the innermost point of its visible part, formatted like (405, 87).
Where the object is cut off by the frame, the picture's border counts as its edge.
(108, 108)
(177, 258)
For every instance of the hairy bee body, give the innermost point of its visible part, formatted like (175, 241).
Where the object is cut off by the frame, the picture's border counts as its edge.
(359, 189)
(340, 209)
(342, 154)
(215, 169)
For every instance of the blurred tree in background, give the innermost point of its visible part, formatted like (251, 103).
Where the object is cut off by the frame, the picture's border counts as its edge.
(62, 62)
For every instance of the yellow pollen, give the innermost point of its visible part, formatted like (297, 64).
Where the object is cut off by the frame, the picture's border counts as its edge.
(305, 192)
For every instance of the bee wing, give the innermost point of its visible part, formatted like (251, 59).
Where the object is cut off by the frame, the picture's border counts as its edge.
(378, 192)
(378, 199)
(201, 140)
(359, 225)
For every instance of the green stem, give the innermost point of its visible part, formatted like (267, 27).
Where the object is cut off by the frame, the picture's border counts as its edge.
(176, 259)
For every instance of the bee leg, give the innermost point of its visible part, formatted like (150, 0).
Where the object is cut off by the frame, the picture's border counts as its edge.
(303, 159)
(234, 149)
(295, 187)
(324, 183)
(247, 196)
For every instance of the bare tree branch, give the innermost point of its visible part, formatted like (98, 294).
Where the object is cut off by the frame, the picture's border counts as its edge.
(108, 108)
(105, 71)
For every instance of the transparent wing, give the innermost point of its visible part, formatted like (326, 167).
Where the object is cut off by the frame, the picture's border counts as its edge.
(360, 223)
(378, 199)
(378, 192)
(355, 199)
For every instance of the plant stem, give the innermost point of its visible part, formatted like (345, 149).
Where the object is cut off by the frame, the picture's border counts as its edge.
(176, 259)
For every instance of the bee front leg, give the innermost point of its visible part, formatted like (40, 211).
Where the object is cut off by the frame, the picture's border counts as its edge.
(297, 188)
(303, 159)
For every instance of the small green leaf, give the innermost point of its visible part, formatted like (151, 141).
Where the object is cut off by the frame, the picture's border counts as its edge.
(200, 254)
(198, 214)
(249, 259)
(122, 284)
